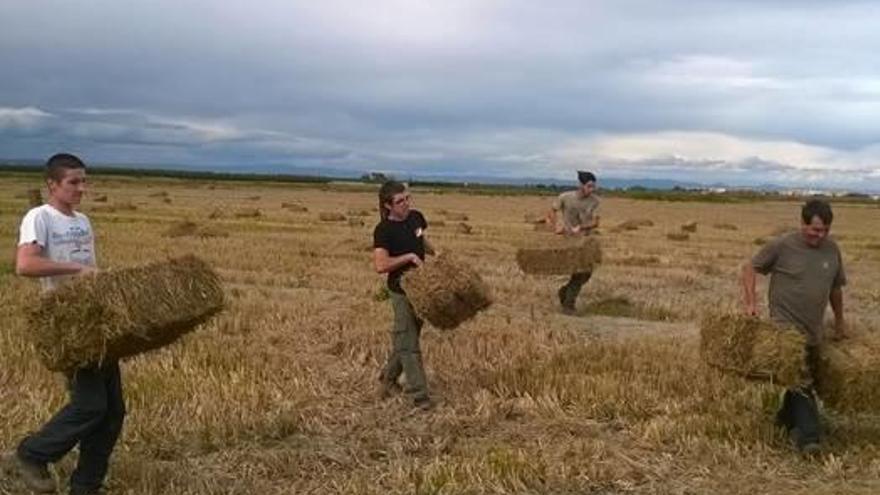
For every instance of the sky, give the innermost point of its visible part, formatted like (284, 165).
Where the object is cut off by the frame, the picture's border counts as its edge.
(738, 92)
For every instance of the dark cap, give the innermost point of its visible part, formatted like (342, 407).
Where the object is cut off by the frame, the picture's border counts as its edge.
(584, 177)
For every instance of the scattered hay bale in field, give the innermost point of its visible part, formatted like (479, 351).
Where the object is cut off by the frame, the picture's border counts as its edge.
(637, 261)
(632, 224)
(535, 218)
(848, 375)
(612, 306)
(120, 313)
(437, 223)
(112, 208)
(326, 216)
(446, 292)
(294, 207)
(35, 198)
(253, 198)
(463, 228)
(167, 201)
(759, 241)
(355, 222)
(725, 226)
(192, 229)
(543, 227)
(353, 212)
(560, 256)
(678, 236)
(99, 198)
(158, 194)
(689, 226)
(753, 348)
(442, 211)
(215, 213)
(248, 213)
(457, 217)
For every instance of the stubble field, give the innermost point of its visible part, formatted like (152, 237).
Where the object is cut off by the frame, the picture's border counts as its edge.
(277, 394)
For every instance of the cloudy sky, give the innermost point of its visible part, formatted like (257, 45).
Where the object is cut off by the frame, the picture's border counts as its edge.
(742, 92)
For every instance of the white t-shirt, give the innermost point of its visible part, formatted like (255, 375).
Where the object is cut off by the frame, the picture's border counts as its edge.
(62, 237)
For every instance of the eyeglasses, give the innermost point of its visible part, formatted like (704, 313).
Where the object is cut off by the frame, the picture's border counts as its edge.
(400, 201)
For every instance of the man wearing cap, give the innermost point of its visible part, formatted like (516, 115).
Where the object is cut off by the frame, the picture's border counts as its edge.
(579, 216)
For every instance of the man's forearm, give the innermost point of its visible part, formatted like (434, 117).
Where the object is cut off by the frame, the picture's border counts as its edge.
(37, 266)
(836, 300)
(748, 281)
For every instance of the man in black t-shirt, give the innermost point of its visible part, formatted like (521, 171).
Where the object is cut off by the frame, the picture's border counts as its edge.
(399, 244)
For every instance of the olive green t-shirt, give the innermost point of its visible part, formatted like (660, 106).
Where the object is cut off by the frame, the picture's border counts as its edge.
(577, 210)
(801, 279)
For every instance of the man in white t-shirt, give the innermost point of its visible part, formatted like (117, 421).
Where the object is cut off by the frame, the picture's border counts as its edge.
(56, 242)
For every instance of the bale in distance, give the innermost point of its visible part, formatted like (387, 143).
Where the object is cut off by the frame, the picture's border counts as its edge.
(463, 228)
(248, 213)
(354, 212)
(848, 374)
(456, 217)
(294, 207)
(689, 227)
(187, 228)
(446, 292)
(725, 226)
(754, 348)
(120, 313)
(35, 198)
(560, 256)
(355, 222)
(535, 218)
(678, 236)
(99, 198)
(325, 216)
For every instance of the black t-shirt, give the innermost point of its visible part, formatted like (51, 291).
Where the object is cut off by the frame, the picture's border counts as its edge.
(401, 237)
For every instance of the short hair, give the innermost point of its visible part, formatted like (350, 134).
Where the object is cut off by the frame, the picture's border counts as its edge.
(817, 208)
(584, 177)
(59, 162)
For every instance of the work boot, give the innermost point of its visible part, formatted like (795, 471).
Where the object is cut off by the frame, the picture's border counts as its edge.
(35, 475)
(86, 491)
(424, 403)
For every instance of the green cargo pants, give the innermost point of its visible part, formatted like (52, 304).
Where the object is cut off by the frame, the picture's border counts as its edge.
(406, 355)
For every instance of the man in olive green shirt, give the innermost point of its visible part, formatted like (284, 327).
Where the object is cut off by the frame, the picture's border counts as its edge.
(806, 274)
(579, 212)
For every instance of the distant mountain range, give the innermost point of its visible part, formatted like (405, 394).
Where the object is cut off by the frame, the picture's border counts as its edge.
(275, 170)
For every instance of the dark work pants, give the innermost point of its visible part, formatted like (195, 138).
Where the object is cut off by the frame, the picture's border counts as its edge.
(799, 408)
(406, 354)
(92, 418)
(569, 292)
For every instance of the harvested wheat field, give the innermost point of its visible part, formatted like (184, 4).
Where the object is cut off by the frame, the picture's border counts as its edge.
(276, 395)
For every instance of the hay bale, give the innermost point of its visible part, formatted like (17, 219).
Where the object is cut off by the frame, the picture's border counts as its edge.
(248, 213)
(725, 226)
(215, 213)
(754, 348)
(294, 207)
(35, 198)
(158, 194)
(99, 198)
(463, 228)
(446, 292)
(192, 229)
(689, 227)
(848, 375)
(560, 256)
(634, 224)
(355, 222)
(353, 212)
(325, 216)
(456, 217)
(120, 313)
(678, 236)
(438, 223)
(253, 198)
(534, 218)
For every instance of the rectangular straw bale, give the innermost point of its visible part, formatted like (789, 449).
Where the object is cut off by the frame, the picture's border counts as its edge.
(848, 375)
(446, 291)
(754, 348)
(560, 255)
(119, 313)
